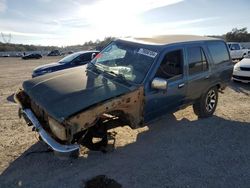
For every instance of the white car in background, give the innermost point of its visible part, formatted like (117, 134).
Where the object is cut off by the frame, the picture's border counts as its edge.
(241, 71)
(237, 51)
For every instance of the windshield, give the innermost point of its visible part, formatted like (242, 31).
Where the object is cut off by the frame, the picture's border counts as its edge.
(69, 58)
(125, 60)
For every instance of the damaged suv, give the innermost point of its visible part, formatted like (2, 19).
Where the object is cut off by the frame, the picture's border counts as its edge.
(130, 82)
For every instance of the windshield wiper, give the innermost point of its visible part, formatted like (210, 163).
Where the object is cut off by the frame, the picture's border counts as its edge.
(108, 72)
(116, 75)
(92, 66)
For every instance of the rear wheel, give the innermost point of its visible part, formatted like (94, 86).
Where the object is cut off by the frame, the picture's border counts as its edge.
(206, 106)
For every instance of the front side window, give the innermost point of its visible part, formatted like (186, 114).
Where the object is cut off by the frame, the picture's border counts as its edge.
(124, 59)
(171, 65)
(196, 60)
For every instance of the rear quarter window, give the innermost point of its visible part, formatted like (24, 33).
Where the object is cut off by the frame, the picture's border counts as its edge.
(218, 51)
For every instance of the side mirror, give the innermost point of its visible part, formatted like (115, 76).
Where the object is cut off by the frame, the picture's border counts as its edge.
(159, 83)
(232, 48)
(93, 56)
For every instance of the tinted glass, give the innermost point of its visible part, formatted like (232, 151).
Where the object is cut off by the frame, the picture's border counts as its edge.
(196, 60)
(171, 65)
(218, 51)
(85, 57)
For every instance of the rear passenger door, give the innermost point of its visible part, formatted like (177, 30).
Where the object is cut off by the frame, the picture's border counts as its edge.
(198, 71)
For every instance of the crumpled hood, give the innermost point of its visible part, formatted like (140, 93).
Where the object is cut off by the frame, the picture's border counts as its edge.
(64, 93)
(44, 67)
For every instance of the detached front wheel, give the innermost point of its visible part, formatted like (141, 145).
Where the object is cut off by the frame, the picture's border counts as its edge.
(206, 106)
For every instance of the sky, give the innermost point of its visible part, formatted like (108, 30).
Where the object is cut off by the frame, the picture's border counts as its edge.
(70, 22)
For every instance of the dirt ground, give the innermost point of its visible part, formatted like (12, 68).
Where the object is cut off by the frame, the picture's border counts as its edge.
(176, 151)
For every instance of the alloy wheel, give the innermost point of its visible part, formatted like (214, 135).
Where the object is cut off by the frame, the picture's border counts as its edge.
(210, 100)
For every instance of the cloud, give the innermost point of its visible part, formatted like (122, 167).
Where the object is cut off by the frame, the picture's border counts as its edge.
(115, 16)
(190, 22)
(24, 34)
(176, 27)
(77, 21)
(44, 1)
(3, 6)
(105, 8)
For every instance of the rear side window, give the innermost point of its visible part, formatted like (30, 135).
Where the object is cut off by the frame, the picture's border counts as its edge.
(197, 61)
(219, 52)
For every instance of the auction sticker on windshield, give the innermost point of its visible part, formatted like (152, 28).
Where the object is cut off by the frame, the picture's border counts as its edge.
(147, 52)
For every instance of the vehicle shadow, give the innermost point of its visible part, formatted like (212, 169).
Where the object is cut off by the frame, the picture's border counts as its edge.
(240, 87)
(211, 152)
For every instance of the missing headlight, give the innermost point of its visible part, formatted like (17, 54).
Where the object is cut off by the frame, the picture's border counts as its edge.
(57, 129)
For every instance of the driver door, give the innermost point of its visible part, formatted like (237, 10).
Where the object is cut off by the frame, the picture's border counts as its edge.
(161, 101)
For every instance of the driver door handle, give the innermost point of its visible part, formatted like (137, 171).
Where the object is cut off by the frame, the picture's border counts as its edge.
(181, 85)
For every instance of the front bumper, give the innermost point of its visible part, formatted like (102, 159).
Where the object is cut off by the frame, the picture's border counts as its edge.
(242, 76)
(60, 150)
(241, 79)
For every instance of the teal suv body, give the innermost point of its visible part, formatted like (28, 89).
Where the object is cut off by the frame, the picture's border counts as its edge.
(130, 82)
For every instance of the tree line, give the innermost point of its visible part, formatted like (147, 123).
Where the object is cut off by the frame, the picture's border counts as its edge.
(98, 44)
(4, 47)
(235, 35)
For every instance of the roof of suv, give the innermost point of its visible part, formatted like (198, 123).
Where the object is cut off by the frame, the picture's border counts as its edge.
(169, 39)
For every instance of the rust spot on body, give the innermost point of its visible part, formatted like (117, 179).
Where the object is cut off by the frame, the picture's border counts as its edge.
(128, 104)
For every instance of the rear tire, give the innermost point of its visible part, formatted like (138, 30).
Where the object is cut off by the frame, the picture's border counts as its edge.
(206, 105)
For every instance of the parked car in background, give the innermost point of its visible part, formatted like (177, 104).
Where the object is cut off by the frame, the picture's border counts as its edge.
(242, 71)
(72, 60)
(5, 55)
(32, 56)
(236, 50)
(130, 82)
(19, 54)
(54, 53)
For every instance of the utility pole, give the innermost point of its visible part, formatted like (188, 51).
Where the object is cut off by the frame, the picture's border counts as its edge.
(6, 37)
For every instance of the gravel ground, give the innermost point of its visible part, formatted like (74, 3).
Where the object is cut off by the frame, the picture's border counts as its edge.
(176, 151)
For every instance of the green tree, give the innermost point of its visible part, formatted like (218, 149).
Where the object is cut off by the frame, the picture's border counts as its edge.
(238, 35)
